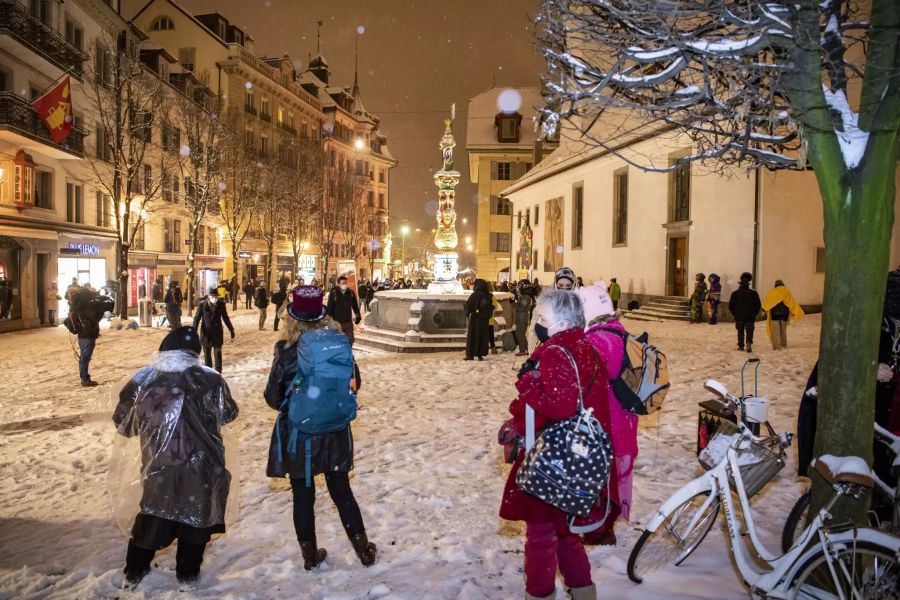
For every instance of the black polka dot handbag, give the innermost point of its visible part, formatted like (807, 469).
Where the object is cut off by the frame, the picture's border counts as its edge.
(568, 466)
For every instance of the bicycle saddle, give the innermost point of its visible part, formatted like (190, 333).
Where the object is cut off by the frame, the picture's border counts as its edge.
(844, 469)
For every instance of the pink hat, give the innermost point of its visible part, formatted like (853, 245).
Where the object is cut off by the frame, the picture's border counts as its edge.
(595, 300)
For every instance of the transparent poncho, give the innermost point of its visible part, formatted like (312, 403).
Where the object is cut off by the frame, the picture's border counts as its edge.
(173, 456)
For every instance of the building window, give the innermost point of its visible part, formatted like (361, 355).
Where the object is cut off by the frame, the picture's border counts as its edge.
(248, 138)
(577, 216)
(187, 57)
(264, 108)
(171, 137)
(280, 116)
(381, 201)
(820, 260)
(41, 10)
(263, 146)
(500, 242)
(138, 242)
(104, 210)
(371, 196)
(501, 171)
(74, 34)
(74, 204)
(43, 189)
(500, 206)
(620, 208)
(537, 214)
(680, 182)
(102, 65)
(148, 179)
(508, 127)
(102, 149)
(162, 24)
(171, 235)
(528, 217)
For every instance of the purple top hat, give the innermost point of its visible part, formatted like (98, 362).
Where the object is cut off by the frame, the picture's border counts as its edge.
(306, 303)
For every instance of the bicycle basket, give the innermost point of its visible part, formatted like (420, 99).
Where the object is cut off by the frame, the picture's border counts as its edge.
(759, 463)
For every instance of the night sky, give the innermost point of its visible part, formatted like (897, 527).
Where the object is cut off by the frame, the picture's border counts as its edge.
(416, 57)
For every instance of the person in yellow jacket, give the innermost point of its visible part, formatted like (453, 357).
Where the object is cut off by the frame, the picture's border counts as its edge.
(780, 307)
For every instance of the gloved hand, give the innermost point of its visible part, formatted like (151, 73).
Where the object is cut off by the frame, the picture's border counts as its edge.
(527, 366)
(358, 319)
(232, 334)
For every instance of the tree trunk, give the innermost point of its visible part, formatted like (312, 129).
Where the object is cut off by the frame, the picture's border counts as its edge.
(234, 276)
(122, 294)
(270, 248)
(858, 225)
(191, 272)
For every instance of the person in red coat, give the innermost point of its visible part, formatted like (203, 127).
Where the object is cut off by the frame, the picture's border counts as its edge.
(547, 383)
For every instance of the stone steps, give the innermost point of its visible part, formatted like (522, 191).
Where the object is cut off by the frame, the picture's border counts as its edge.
(665, 308)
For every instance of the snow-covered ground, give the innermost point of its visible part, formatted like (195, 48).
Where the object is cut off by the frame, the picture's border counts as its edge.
(428, 474)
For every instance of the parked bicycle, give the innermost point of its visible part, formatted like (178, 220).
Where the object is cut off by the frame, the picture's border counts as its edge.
(889, 496)
(827, 561)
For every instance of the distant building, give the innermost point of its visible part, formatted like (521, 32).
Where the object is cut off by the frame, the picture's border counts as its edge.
(501, 148)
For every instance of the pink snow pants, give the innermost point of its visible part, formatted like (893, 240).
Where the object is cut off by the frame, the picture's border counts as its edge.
(544, 550)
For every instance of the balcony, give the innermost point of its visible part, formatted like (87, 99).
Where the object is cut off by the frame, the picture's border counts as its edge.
(249, 110)
(265, 117)
(289, 129)
(20, 125)
(18, 23)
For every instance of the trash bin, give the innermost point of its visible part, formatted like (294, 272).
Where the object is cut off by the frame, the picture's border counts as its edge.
(145, 312)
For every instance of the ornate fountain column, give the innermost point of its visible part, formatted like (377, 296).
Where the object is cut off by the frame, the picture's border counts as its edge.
(446, 260)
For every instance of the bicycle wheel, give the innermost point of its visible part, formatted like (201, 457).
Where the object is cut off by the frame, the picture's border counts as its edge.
(863, 571)
(795, 522)
(674, 540)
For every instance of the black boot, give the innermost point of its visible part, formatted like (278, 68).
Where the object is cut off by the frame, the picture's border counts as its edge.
(313, 556)
(749, 347)
(365, 549)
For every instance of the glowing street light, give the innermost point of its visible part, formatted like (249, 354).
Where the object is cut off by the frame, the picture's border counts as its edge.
(469, 240)
(360, 144)
(404, 230)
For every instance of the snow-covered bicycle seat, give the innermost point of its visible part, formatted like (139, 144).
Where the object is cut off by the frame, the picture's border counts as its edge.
(844, 469)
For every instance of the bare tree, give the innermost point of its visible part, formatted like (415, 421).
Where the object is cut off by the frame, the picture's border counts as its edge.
(300, 208)
(761, 83)
(358, 215)
(198, 157)
(124, 95)
(340, 185)
(238, 202)
(273, 194)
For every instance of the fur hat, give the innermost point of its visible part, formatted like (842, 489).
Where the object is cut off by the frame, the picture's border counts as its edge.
(305, 303)
(595, 300)
(183, 338)
(564, 273)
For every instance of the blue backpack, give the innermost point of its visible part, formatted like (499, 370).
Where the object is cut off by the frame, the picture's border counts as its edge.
(319, 399)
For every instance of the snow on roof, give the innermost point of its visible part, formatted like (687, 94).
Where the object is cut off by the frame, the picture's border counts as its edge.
(483, 109)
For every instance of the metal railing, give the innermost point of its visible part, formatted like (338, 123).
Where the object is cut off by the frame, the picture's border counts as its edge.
(40, 38)
(18, 115)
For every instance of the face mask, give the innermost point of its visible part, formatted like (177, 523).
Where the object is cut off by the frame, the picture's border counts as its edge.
(542, 333)
(344, 288)
(213, 299)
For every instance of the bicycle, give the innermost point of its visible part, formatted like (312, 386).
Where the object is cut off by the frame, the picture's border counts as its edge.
(836, 561)
(890, 496)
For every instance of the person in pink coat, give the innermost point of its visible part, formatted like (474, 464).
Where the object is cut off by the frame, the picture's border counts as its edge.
(604, 332)
(547, 383)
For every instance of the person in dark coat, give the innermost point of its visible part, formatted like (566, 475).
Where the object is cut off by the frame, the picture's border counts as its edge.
(343, 307)
(524, 305)
(173, 302)
(177, 408)
(208, 319)
(278, 299)
(714, 297)
(330, 453)
(87, 317)
(479, 308)
(248, 294)
(156, 292)
(744, 305)
(6, 298)
(261, 301)
(370, 295)
(548, 384)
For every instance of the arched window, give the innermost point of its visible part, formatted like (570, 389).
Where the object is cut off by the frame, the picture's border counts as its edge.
(162, 24)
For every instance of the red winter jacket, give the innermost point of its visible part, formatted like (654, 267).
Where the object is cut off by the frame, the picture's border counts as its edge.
(552, 392)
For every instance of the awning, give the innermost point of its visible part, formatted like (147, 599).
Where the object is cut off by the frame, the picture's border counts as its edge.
(25, 232)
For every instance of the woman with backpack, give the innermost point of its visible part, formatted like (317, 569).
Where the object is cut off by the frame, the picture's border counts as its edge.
(313, 345)
(780, 307)
(548, 384)
(607, 335)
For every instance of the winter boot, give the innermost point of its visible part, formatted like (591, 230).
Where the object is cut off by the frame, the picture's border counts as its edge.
(133, 578)
(365, 549)
(749, 347)
(588, 592)
(313, 556)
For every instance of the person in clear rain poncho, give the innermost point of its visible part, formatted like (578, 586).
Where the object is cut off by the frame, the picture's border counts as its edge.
(175, 409)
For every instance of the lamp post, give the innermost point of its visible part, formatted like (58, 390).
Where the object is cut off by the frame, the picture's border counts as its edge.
(404, 230)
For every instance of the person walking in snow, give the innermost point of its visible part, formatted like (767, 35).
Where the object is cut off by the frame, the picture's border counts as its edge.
(304, 334)
(211, 314)
(177, 409)
(615, 292)
(524, 305)
(607, 335)
(548, 385)
(780, 307)
(714, 297)
(698, 298)
(744, 305)
(343, 307)
(261, 301)
(173, 302)
(278, 299)
(248, 294)
(479, 309)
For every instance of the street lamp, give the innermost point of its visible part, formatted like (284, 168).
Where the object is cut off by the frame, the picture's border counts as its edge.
(360, 144)
(404, 230)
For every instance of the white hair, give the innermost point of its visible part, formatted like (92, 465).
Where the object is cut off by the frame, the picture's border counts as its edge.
(562, 305)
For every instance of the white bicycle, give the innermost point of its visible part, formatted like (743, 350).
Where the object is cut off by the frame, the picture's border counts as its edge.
(839, 561)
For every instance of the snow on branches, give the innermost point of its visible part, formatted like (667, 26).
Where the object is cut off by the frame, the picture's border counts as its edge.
(725, 72)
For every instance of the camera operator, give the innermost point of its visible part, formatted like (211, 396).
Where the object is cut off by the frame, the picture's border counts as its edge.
(88, 308)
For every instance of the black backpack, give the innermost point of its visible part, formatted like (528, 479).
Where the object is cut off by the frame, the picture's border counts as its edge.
(780, 312)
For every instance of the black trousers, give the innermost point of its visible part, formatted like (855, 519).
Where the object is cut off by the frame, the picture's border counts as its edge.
(338, 483)
(247, 299)
(188, 558)
(213, 351)
(745, 328)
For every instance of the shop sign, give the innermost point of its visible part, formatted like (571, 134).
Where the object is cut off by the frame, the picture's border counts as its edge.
(244, 254)
(85, 249)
